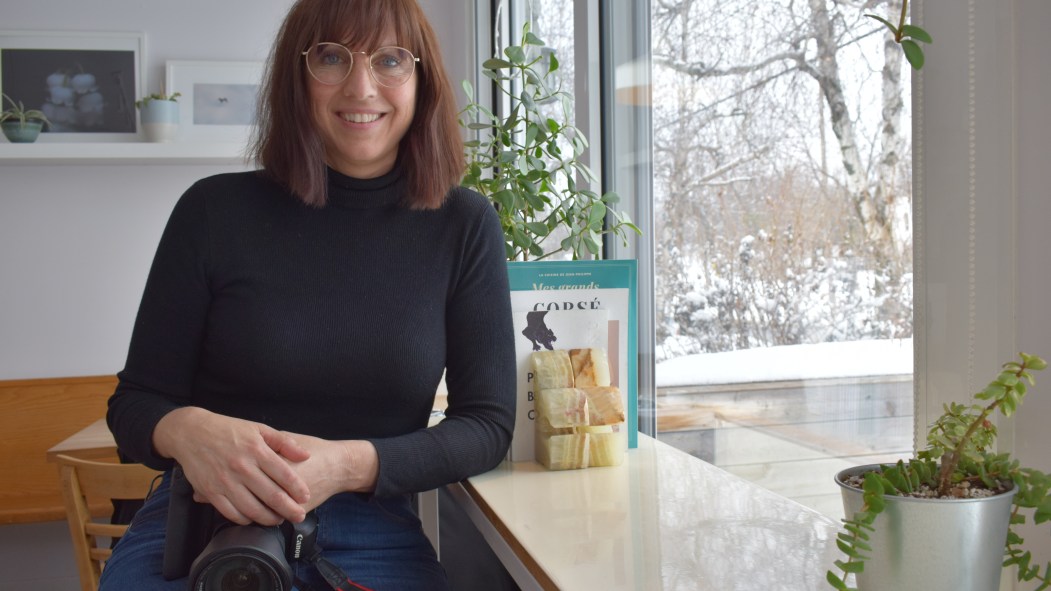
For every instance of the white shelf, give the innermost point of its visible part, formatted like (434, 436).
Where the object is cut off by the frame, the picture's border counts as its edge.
(43, 152)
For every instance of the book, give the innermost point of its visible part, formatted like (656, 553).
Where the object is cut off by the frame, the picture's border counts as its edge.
(575, 295)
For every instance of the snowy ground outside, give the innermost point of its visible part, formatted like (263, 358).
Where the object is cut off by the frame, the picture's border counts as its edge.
(794, 362)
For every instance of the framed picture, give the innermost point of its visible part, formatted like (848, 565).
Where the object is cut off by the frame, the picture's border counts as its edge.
(85, 82)
(219, 99)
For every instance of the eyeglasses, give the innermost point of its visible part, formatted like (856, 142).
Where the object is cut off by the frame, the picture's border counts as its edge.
(331, 63)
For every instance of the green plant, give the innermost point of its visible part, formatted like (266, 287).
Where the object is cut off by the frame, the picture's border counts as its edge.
(527, 163)
(18, 112)
(141, 103)
(958, 457)
(907, 36)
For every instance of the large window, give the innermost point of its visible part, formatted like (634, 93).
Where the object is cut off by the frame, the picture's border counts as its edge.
(783, 239)
(765, 148)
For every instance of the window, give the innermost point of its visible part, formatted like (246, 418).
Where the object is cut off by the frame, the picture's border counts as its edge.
(783, 240)
(775, 192)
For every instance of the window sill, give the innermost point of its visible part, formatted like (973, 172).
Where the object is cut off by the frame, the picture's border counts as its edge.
(122, 153)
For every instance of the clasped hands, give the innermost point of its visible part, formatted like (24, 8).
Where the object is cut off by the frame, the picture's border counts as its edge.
(252, 473)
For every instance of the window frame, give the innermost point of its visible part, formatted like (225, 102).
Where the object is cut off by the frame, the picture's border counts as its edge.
(957, 273)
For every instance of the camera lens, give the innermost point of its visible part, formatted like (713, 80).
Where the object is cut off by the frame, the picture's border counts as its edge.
(243, 558)
(239, 573)
(239, 579)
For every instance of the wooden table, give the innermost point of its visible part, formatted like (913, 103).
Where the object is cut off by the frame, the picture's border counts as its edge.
(92, 442)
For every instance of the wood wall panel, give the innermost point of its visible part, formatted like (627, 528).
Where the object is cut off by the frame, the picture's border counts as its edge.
(35, 415)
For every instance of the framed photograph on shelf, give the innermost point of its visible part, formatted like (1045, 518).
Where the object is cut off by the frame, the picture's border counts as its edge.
(218, 102)
(86, 83)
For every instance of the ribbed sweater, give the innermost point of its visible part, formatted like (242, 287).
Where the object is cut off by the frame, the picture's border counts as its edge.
(335, 322)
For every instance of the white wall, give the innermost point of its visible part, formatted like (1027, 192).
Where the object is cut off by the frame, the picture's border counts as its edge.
(1033, 157)
(982, 212)
(76, 241)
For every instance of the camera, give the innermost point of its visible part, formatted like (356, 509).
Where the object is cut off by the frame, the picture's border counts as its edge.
(219, 555)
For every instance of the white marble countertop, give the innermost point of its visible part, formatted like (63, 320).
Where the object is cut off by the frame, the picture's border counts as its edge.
(663, 520)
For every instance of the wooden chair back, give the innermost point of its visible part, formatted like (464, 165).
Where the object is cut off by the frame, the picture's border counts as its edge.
(84, 482)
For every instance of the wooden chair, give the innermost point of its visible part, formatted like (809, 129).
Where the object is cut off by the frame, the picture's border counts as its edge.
(84, 484)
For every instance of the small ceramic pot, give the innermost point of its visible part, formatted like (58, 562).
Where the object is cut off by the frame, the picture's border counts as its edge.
(18, 133)
(160, 120)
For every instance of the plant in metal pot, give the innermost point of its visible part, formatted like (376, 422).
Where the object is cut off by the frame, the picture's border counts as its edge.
(527, 162)
(958, 468)
(21, 124)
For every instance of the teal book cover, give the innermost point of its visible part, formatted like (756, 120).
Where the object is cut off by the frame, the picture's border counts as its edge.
(580, 286)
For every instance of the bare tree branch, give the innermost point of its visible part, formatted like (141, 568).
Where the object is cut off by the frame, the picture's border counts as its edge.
(700, 70)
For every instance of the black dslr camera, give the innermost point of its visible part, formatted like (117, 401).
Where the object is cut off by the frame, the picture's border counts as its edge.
(219, 555)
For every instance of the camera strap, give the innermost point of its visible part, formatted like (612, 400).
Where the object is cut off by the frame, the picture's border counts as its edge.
(333, 575)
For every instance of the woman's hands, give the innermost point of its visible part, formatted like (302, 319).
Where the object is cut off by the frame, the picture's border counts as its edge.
(335, 467)
(246, 470)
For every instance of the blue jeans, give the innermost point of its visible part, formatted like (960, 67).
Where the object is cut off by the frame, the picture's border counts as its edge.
(378, 543)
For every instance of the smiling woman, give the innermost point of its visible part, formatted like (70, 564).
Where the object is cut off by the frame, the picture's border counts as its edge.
(298, 319)
(361, 113)
(420, 108)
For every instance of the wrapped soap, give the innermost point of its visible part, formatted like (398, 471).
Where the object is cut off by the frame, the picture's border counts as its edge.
(569, 433)
(558, 444)
(579, 418)
(590, 367)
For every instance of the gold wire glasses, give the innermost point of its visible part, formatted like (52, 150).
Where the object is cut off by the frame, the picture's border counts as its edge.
(331, 63)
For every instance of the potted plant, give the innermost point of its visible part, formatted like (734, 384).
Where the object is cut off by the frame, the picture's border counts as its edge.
(945, 519)
(528, 162)
(159, 114)
(21, 125)
(907, 36)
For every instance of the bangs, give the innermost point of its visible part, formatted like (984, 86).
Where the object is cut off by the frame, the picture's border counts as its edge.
(362, 25)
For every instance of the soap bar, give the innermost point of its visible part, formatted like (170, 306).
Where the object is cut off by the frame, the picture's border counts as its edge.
(590, 367)
(604, 406)
(564, 452)
(561, 407)
(552, 369)
(606, 444)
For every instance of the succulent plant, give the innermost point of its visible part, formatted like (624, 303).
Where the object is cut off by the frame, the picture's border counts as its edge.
(958, 456)
(141, 103)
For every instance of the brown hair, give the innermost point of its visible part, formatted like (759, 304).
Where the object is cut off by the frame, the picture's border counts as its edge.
(292, 153)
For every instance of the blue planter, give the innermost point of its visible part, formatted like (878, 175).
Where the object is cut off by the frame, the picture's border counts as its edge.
(18, 133)
(160, 120)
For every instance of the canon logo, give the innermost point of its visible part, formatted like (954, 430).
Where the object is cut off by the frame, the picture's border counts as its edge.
(299, 545)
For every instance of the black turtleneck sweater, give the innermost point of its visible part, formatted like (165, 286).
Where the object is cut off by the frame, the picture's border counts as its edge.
(335, 322)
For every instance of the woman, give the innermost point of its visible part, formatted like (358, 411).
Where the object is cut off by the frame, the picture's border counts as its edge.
(297, 320)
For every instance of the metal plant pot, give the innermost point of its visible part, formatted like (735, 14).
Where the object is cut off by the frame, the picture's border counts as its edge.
(932, 544)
